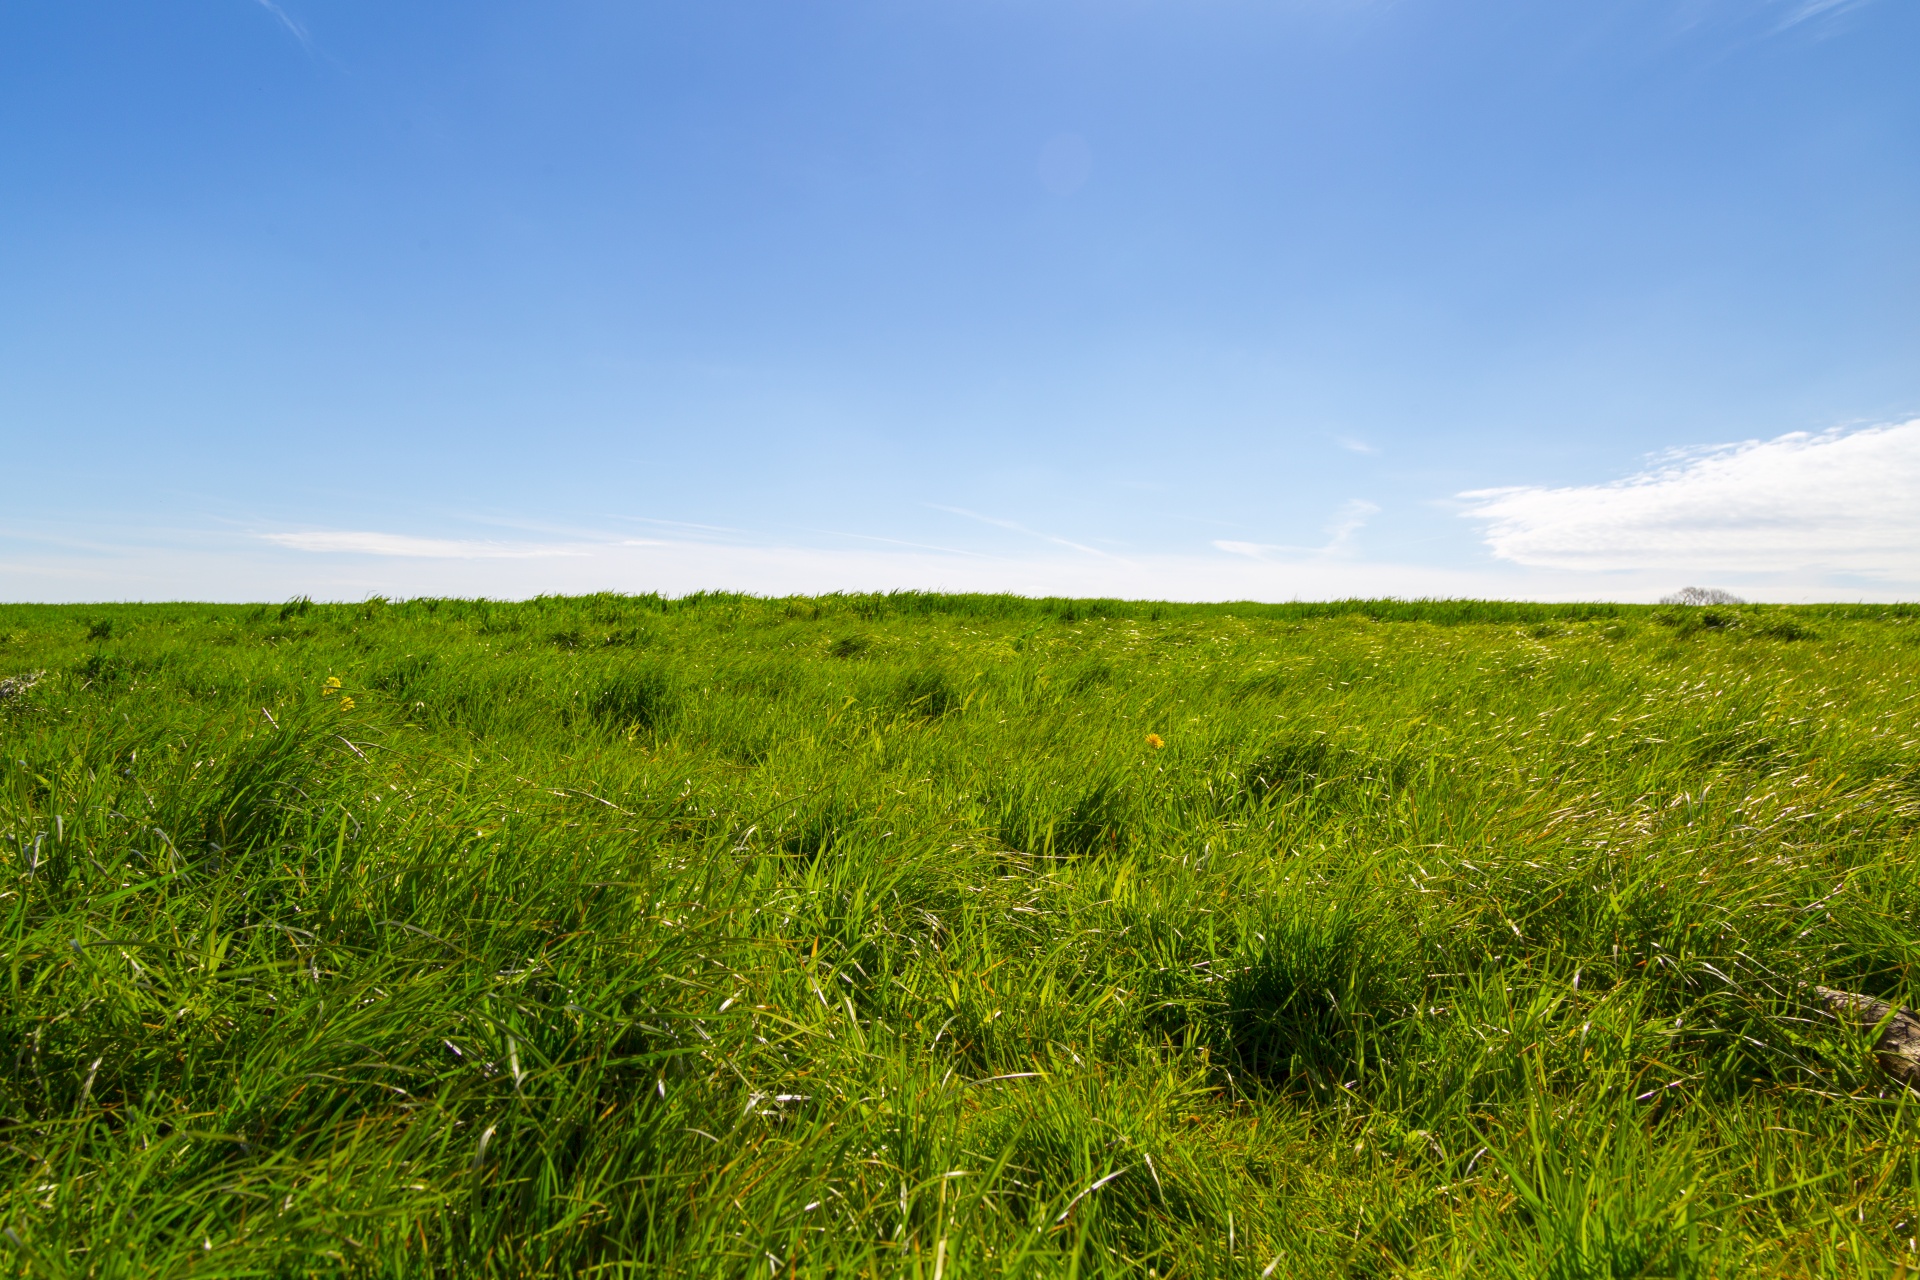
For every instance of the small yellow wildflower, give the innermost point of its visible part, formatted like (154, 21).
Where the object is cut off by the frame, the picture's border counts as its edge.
(1155, 741)
(346, 704)
(331, 687)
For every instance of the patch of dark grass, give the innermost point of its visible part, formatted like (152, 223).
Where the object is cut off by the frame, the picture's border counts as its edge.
(1321, 982)
(1776, 627)
(1066, 818)
(634, 698)
(928, 691)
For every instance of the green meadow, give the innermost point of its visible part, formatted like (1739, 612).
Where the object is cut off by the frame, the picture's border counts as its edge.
(946, 936)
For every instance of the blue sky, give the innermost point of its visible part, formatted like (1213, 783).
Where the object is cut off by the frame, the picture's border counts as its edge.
(1172, 298)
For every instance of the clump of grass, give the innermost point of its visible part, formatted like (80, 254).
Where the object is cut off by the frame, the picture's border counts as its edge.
(633, 698)
(655, 936)
(849, 646)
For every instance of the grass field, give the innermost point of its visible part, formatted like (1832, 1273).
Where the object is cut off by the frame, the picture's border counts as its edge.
(954, 936)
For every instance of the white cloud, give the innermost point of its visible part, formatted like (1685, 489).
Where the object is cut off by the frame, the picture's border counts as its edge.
(211, 565)
(1840, 502)
(286, 20)
(247, 569)
(399, 544)
(1020, 528)
(1353, 516)
(1347, 521)
(1802, 518)
(1806, 10)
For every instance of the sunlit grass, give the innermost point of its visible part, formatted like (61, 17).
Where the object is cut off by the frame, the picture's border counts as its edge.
(954, 936)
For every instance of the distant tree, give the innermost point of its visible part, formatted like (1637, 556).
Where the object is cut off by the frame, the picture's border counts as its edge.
(1701, 595)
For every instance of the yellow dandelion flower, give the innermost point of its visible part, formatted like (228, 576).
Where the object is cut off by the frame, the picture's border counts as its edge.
(346, 704)
(330, 687)
(1155, 741)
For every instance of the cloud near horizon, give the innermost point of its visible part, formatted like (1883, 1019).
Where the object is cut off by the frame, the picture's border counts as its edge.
(1837, 502)
(368, 543)
(1348, 521)
(352, 565)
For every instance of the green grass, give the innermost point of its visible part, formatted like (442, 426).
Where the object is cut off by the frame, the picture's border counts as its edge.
(871, 935)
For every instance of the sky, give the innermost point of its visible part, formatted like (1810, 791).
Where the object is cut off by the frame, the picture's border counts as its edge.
(1187, 299)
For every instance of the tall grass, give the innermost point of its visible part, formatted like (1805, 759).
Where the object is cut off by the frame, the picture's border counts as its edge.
(872, 935)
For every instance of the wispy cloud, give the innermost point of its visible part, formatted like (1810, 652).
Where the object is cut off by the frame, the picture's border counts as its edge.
(1353, 516)
(1840, 501)
(1347, 521)
(899, 542)
(1020, 528)
(286, 20)
(679, 524)
(1352, 445)
(367, 543)
(1807, 10)
(222, 565)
